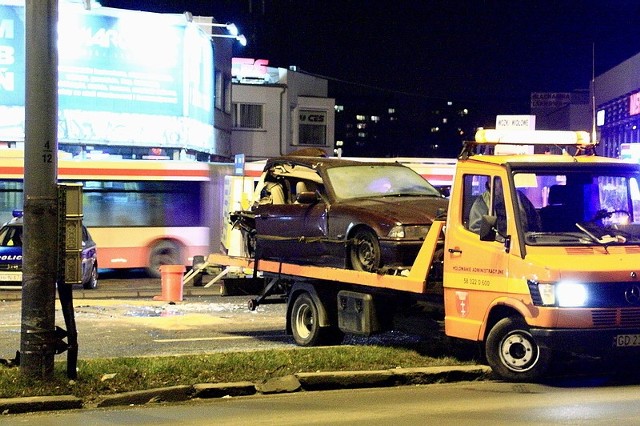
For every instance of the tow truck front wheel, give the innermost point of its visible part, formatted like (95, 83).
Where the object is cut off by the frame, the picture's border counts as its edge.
(512, 352)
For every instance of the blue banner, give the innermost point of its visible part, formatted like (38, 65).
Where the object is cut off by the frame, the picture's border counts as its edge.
(12, 56)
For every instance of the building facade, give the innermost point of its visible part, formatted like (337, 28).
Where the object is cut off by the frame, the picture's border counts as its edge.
(277, 111)
(562, 110)
(617, 95)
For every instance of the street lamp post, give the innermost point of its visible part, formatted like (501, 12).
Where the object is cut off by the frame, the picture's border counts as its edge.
(230, 27)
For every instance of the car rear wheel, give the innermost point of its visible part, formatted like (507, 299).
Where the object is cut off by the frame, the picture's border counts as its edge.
(163, 252)
(92, 281)
(365, 251)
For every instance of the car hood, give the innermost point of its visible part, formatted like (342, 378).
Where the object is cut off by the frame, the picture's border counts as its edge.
(402, 209)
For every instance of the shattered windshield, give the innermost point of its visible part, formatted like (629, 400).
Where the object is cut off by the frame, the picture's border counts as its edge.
(360, 181)
(585, 206)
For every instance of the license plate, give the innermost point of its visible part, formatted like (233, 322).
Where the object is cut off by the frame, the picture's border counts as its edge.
(10, 276)
(627, 340)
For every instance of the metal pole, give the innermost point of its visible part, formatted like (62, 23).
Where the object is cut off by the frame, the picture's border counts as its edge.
(38, 338)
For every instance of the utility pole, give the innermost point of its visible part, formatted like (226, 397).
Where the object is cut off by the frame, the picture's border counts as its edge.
(40, 245)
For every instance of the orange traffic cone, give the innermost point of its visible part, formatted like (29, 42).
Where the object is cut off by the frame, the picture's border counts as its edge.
(171, 276)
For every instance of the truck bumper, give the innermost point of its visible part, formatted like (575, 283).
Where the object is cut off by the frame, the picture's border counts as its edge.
(595, 342)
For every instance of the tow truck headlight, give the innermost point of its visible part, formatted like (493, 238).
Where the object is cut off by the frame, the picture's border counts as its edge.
(414, 232)
(562, 294)
(571, 294)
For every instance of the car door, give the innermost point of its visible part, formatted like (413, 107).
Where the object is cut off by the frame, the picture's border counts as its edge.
(292, 231)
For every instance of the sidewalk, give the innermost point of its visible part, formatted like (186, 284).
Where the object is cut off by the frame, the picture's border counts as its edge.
(124, 289)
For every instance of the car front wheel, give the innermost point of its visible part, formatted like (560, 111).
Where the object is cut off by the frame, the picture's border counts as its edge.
(364, 251)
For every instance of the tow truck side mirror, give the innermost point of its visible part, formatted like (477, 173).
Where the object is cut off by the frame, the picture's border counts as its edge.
(488, 228)
(489, 232)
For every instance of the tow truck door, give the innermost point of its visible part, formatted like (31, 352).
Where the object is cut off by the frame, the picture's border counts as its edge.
(474, 270)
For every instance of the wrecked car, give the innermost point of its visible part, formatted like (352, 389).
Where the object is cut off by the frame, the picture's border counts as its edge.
(335, 212)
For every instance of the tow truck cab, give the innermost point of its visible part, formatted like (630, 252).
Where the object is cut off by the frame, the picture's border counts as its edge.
(555, 261)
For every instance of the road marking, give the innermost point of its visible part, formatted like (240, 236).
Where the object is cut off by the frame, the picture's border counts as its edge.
(199, 339)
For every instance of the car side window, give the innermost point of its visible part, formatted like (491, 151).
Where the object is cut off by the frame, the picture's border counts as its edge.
(11, 236)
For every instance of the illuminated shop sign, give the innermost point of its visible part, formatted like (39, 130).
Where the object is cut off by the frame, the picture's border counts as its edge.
(515, 122)
(254, 71)
(550, 99)
(124, 77)
(313, 117)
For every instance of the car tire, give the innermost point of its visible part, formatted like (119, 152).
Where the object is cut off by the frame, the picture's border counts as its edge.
(512, 352)
(250, 243)
(364, 251)
(92, 282)
(164, 252)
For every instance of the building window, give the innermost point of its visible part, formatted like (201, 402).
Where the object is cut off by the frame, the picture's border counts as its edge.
(312, 128)
(227, 94)
(248, 116)
(219, 94)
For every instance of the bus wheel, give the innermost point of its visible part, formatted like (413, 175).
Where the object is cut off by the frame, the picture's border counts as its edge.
(164, 252)
(512, 352)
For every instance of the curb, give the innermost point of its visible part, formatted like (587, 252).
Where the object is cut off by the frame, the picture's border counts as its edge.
(189, 293)
(286, 384)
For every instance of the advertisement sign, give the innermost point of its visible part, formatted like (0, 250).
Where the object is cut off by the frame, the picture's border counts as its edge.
(124, 77)
(238, 165)
(553, 100)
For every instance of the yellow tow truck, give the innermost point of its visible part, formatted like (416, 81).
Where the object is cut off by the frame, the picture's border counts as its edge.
(539, 254)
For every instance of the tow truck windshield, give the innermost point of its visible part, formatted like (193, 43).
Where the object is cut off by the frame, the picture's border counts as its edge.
(583, 204)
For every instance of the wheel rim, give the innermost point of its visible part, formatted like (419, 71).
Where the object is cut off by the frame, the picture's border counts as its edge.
(304, 321)
(365, 252)
(518, 351)
(93, 283)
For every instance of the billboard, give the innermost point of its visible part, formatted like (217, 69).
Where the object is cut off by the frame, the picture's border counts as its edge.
(124, 78)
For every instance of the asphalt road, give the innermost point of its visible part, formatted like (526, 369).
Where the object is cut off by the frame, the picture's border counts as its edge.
(121, 318)
(473, 403)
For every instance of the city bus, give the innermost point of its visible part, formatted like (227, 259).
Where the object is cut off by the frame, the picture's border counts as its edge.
(141, 213)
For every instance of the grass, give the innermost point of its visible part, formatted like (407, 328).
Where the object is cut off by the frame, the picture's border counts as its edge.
(98, 377)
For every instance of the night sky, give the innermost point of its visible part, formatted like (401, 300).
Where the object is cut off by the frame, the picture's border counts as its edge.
(482, 52)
